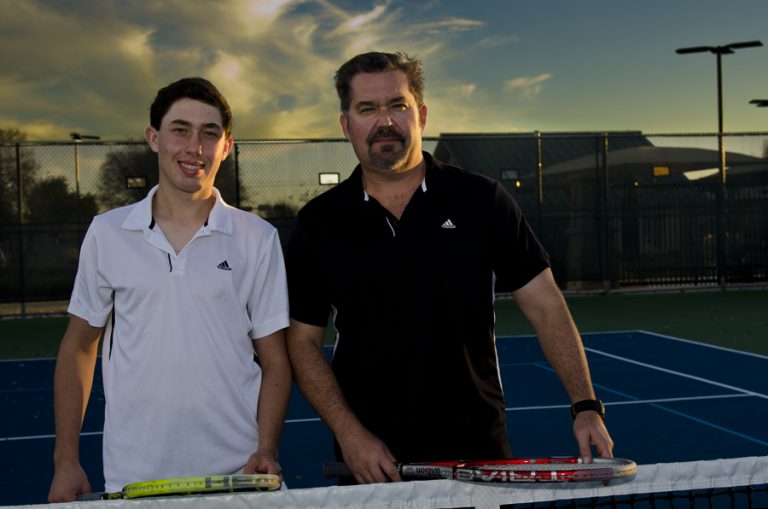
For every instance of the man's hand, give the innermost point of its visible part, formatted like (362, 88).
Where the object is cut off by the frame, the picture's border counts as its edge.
(262, 462)
(367, 457)
(68, 483)
(589, 429)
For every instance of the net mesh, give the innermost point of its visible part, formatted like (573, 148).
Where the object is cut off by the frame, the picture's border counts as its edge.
(731, 483)
(727, 483)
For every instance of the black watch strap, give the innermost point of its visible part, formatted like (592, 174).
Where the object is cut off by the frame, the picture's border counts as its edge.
(588, 404)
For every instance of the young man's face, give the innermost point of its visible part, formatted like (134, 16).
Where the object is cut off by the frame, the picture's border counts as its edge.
(384, 122)
(190, 144)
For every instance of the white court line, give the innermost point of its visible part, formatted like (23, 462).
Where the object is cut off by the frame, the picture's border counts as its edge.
(708, 345)
(33, 359)
(39, 437)
(680, 374)
(743, 392)
(299, 421)
(633, 402)
(95, 433)
(511, 409)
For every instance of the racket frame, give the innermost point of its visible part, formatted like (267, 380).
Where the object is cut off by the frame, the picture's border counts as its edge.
(194, 485)
(519, 470)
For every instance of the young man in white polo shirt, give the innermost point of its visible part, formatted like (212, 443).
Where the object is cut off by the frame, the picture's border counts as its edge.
(188, 294)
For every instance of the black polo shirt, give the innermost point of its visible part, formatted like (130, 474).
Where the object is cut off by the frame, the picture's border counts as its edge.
(413, 306)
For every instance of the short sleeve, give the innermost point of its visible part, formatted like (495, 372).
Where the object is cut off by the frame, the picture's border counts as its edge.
(92, 296)
(519, 256)
(268, 302)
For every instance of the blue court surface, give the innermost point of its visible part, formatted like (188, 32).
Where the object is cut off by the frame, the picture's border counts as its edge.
(667, 400)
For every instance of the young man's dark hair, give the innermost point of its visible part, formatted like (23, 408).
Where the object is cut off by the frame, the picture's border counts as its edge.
(199, 89)
(379, 62)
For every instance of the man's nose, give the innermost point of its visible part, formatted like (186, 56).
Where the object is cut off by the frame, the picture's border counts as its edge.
(195, 143)
(384, 120)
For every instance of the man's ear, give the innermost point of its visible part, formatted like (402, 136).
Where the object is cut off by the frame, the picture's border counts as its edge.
(423, 115)
(150, 134)
(344, 122)
(228, 147)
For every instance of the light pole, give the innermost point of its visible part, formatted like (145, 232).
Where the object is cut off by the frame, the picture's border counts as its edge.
(720, 223)
(78, 138)
(719, 51)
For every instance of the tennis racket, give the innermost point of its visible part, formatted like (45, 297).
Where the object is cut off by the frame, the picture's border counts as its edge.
(197, 485)
(521, 470)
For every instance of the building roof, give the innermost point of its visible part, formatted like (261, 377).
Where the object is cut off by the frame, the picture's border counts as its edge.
(490, 154)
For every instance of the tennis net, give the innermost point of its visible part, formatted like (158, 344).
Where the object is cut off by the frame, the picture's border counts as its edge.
(732, 483)
(726, 483)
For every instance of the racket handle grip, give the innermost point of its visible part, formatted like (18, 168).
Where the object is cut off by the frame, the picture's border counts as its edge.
(336, 469)
(98, 495)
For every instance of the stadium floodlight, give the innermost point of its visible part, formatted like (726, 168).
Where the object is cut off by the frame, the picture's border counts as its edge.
(760, 103)
(727, 49)
(81, 137)
(720, 50)
(721, 227)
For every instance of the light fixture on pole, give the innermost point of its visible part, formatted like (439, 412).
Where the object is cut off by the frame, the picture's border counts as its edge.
(720, 51)
(81, 137)
(721, 226)
(760, 103)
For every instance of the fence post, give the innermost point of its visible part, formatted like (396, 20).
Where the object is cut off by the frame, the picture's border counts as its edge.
(539, 183)
(721, 229)
(237, 175)
(77, 184)
(602, 200)
(20, 214)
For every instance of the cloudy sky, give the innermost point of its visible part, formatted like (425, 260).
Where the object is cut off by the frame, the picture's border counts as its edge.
(491, 65)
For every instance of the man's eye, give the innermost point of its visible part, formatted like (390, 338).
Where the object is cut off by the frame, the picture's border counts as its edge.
(179, 130)
(400, 107)
(211, 135)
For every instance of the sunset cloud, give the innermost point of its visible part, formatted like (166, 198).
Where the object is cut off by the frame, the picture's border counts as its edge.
(527, 86)
(95, 66)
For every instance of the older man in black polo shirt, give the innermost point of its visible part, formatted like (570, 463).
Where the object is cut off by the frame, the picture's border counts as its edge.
(408, 253)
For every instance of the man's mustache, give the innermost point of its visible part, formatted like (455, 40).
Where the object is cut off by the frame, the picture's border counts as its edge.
(386, 133)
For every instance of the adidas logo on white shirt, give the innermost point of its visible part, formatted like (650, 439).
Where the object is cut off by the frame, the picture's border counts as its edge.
(448, 224)
(224, 266)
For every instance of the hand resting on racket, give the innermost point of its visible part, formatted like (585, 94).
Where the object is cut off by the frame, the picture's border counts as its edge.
(68, 483)
(589, 429)
(367, 457)
(262, 462)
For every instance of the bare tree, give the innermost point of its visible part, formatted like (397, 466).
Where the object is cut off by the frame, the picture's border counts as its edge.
(15, 161)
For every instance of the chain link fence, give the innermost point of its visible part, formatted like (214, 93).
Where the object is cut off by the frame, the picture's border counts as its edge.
(616, 211)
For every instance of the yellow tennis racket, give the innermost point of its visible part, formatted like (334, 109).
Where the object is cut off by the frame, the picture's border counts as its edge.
(196, 485)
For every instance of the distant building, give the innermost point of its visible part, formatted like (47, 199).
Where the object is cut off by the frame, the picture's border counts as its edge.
(612, 208)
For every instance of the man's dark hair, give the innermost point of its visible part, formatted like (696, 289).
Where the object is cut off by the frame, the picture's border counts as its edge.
(199, 89)
(379, 62)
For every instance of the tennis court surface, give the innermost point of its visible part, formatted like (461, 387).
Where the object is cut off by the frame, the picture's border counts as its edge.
(669, 401)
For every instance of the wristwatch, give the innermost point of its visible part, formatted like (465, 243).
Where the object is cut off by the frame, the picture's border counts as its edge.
(588, 404)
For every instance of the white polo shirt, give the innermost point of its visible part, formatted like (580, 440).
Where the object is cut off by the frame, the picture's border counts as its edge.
(180, 379)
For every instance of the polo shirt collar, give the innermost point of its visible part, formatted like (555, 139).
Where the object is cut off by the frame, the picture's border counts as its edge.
(219, 219)
(428, 161)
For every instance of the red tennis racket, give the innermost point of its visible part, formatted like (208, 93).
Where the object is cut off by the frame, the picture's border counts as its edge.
(521, 470)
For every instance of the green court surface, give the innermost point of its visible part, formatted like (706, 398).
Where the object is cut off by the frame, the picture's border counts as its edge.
(733, 319)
